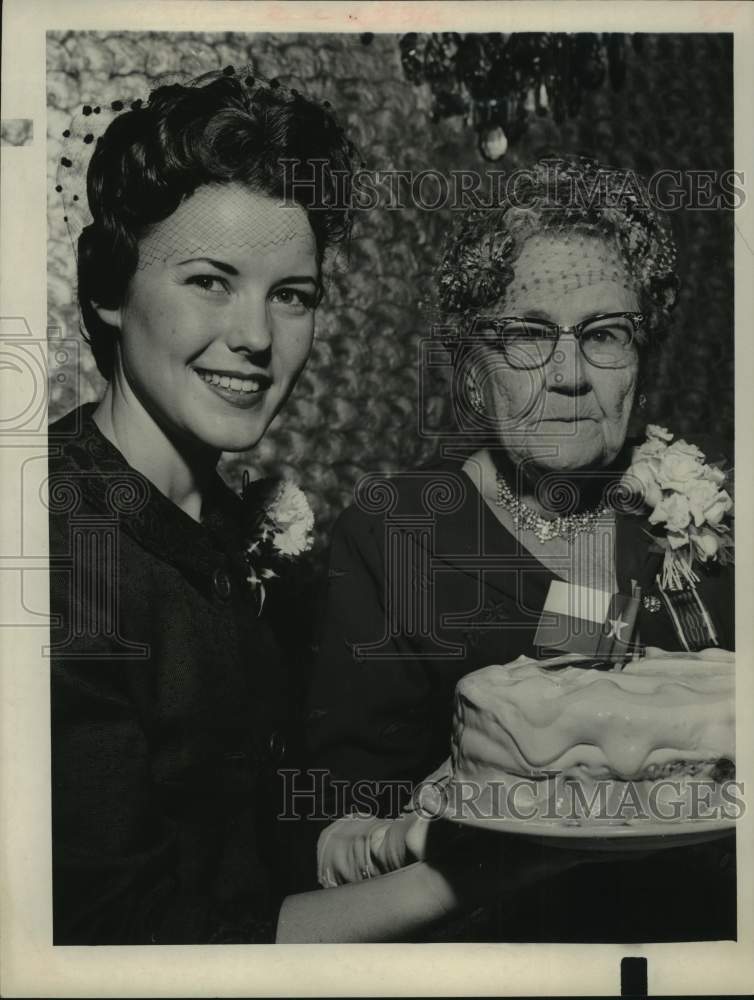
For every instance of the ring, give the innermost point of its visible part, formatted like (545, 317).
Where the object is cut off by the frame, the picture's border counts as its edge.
(365, 873)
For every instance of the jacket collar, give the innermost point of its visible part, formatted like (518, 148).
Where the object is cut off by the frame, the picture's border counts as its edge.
(83, 460)
(470, 539)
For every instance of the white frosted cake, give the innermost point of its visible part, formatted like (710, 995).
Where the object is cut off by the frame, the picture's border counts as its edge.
(660, 723)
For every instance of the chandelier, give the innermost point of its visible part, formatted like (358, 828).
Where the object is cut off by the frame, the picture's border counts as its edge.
(497, 81)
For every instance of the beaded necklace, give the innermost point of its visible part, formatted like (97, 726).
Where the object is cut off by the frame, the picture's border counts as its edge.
(543, 529)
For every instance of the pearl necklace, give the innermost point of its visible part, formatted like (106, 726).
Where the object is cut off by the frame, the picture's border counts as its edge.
(543, 529)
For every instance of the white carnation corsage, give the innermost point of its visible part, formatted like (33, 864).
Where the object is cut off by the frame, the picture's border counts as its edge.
(282, 531)
(688, 499)
(690, 514)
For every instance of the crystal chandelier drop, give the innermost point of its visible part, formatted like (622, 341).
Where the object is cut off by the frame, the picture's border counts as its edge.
(498, 81)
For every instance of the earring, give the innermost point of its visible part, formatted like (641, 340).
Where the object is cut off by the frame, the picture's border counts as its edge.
(642, 401)
(473, 395)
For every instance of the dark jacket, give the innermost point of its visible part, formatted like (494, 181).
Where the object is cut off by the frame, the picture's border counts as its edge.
(426, 586)
(169, 711)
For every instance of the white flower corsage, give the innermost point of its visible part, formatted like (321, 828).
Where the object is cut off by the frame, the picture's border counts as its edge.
(282, 531)
(687, 497)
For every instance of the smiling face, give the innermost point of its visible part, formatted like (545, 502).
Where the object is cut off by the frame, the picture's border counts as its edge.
(217, 322)
(569, 407)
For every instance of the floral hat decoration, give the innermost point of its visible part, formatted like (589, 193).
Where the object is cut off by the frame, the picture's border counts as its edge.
(568, 197)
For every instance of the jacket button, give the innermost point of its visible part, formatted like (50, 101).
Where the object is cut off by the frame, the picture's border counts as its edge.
(221, 584)
(276, 746)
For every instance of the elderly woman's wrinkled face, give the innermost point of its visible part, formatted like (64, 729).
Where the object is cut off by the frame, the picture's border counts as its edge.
(218, 321)
(568, 414)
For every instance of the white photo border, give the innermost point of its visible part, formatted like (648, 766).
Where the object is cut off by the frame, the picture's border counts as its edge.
(29, 964)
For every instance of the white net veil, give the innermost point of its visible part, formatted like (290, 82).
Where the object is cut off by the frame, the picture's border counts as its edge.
(196, 229)
(194, 212)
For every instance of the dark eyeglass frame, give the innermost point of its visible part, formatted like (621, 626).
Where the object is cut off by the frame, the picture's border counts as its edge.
(577, 329)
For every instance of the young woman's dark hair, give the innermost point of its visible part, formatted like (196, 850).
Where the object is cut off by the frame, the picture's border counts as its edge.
(221, 128)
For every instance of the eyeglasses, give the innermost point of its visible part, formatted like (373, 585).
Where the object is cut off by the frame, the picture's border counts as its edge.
(606, 340)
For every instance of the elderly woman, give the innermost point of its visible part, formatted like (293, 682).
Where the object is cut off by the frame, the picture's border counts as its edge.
(199, 277)
(560, 298)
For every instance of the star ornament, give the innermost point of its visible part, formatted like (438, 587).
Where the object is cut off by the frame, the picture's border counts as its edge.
(616, 627)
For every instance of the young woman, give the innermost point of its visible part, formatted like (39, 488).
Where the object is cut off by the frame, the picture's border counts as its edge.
(198, 282)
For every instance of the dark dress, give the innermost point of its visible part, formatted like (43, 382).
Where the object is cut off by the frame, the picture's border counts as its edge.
(169, 711)
(426, 586)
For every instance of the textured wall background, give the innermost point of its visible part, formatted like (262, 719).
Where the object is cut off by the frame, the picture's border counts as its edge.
(355, 408)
